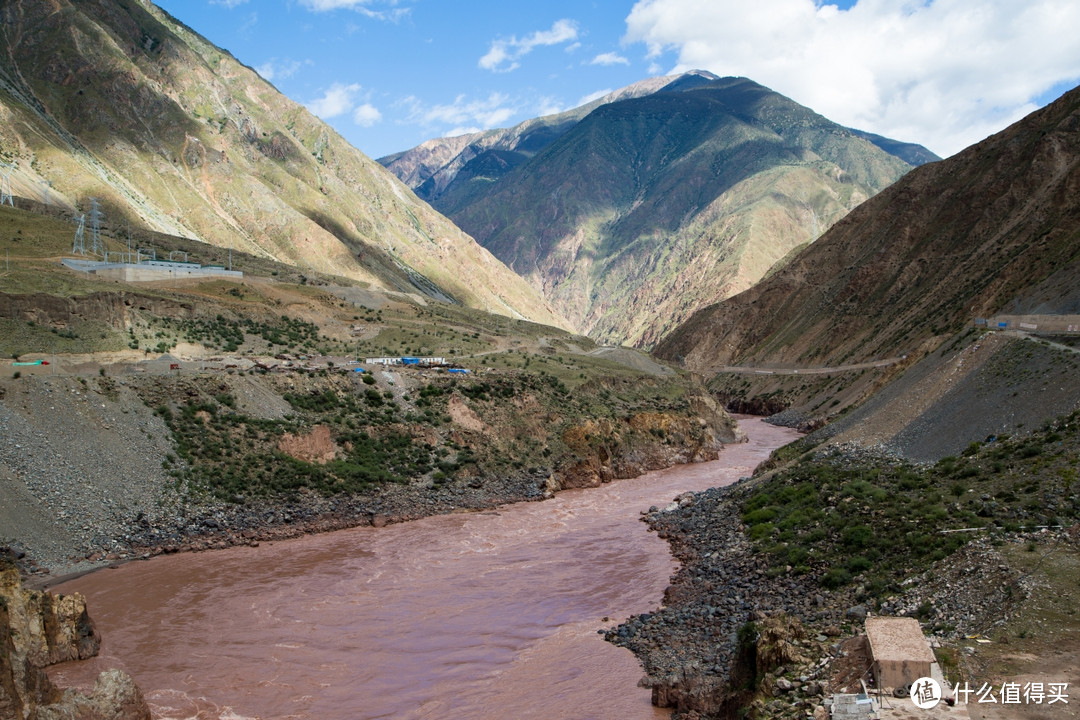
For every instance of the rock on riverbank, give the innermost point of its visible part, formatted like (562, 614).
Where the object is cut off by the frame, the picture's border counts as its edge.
(38, 629)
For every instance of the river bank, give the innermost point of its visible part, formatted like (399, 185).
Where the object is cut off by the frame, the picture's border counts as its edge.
(481, 615)
(100, 470)
(779, 571)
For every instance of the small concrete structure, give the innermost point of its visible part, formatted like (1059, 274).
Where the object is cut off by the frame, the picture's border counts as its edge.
(418, 361)
(850, 706)
(149, 270)
(899, 651)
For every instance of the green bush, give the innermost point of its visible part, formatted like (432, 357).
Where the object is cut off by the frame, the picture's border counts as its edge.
(835, 578)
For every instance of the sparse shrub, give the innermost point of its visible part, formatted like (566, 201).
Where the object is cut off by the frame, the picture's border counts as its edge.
(835, 578)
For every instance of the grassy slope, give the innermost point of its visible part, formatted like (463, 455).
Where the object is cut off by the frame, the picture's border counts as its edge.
(877, 522)
(536, 401)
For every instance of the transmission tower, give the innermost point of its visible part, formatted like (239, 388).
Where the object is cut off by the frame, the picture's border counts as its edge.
(95, 227)
(5, 183)
(79, 248)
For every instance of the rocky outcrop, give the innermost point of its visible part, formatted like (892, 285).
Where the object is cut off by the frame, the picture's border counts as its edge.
(115, 697)
(38, 629)
(607, 449)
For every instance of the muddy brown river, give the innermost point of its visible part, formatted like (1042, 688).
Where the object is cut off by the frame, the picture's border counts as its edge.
(481, 615)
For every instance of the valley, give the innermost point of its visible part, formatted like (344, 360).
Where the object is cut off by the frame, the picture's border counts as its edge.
(688, 370)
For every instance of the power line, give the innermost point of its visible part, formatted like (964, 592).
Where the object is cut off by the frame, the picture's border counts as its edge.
(95, 227)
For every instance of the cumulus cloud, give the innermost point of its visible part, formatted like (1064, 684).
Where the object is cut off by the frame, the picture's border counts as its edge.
(505, 52)
(942, 73)
(549, 106)
(609, 58)
(366, 115)
(464, 115)
(340, 99)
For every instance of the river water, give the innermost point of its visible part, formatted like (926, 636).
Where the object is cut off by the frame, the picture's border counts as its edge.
(481, 615)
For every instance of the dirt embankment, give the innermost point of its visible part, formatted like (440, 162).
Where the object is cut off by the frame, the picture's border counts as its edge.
(91, 472)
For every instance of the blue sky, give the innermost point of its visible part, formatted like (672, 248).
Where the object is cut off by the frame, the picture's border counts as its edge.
(389, 74)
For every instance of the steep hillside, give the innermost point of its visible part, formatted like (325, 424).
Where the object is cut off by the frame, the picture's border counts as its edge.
(115, 99)
(651, 207)
(995, 226)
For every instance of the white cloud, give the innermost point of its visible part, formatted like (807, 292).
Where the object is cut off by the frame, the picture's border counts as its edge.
(366, 115)
(505, 52)
(549, 106)
(609, 58)
(944, 73)
(362, 6)
(462, 130)
(274, 69)
(593, 96)
(228, 3)
(464, 115)
(340, 99)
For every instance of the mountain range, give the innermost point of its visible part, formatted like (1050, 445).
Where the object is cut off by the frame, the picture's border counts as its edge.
(118, 100)
(994, 228)
(634, 211)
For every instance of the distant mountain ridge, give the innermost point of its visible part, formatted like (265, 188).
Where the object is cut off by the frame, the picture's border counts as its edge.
(658, 200)
(118, 100)
(435, 165)
(993, 228)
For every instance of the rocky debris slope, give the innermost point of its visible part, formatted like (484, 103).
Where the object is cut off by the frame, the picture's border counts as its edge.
(978, 386)
(690, 645)
(38, 629)
(90, 474)
(80, 463)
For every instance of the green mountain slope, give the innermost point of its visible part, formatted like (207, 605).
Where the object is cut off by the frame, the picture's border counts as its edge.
(438, 166)
(653, 206)
(995, 227)
(117, 100)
